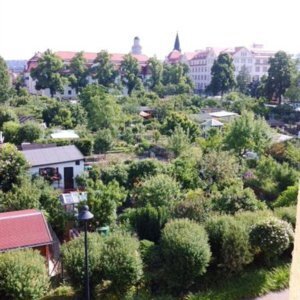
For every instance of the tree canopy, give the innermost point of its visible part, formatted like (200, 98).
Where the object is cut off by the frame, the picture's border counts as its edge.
(4, 81)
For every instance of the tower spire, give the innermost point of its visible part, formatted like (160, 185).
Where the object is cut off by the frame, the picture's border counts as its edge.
(177, 43)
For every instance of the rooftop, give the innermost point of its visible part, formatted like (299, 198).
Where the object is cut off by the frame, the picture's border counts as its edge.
(24, 228)
(53, 155)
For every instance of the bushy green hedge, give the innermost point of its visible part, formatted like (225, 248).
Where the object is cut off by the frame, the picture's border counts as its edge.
(287, 214)
(186, 253)
(229, 242)
(114, 258)
(23, 275)
(73, 259)
(271, 237)
(148, 222)
(159, 190)
(287, 197)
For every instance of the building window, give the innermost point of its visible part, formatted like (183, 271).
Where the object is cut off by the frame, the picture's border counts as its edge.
(265, 69)
(257, 69)
(69, 92)
(257, 61)
(249, 60)
(77, 162)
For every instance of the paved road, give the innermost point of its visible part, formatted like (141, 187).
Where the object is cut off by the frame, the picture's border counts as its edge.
(284, 295)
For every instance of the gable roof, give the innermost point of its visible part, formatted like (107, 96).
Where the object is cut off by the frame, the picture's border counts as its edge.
(53, 155)
(23, 229)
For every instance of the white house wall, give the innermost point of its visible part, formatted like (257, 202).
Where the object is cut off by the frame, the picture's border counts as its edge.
(77, 170)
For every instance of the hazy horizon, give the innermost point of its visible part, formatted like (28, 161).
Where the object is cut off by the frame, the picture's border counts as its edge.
(30, 26)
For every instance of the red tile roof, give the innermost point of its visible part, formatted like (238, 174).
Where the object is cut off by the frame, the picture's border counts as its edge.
(23, 229)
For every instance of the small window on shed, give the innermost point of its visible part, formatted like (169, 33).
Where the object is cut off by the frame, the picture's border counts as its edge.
(77, 162)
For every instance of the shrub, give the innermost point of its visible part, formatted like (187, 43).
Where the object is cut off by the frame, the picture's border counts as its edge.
(141, 169)
(185, 251)
(85, 145)
(29, 132)
(159, 190)
(196, 206)
(287, 197)
(103, 141)
(287, 214)
(235, 198)
(117, 172)
(148, 222)
(229, 243)
(73, 259)
(121, 262)
(271, 237)
(23, 275)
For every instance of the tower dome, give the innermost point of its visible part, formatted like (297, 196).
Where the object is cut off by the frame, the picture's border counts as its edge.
(136, 48)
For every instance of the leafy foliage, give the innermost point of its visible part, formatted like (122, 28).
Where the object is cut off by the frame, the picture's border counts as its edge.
(4, 81)
(23, 275)
(158, 190)
(185, 251)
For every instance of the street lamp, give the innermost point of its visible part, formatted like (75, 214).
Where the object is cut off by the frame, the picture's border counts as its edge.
(84, 216)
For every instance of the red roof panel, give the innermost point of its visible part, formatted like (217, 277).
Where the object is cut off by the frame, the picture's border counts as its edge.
(24, 228)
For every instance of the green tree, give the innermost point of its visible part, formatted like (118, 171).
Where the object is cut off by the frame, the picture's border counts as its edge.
(30, 132)
(156, 70)
(7, 114)
(235, 199)
(104, 200)
(102, 109)
(222, 73)
(78, 72)
(23, 275)
(73, 260)
(4, 81)
(179, 141)
(178, 119)
(218, 168)
(248, 133)
(243, 80)
(229, 241)
(48, 73)
(186, 253)
(271, 237)
(104, 71)
(122, 264)
(13, 166)
(159, 190)
(11, 132)
(130, 73)
(279, 76)
(103, 141)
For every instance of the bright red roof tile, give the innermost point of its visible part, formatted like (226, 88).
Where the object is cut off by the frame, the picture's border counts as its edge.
(24, 228)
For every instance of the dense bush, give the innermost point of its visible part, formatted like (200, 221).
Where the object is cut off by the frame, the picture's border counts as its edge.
(121, 262)
(141, 169)
(287, 214)
(287, 197)
(148, 222)
(118, 172)
(229, 243)
(23, 275)
(235, 198)
(85, 145)
(185, 251)
(159, 190)
(73, 259)
(103, 141)
(30, 132)
(195, 206)
(271, 237)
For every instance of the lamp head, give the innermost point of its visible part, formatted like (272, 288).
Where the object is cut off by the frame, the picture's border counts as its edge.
(84, 214)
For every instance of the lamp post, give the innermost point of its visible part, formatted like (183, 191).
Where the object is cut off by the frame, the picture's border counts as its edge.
(84, 216)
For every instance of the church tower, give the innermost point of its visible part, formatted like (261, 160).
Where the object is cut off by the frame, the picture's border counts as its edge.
(177, 43)
(136, 48)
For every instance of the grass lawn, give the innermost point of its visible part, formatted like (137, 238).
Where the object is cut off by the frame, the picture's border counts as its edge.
(247, 285)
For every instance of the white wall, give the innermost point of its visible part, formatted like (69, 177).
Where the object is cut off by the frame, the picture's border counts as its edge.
(77, 170)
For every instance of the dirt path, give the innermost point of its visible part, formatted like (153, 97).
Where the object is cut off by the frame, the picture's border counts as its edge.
(295, 269)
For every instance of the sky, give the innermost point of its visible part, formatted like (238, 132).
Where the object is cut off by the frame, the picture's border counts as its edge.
(28, 26)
